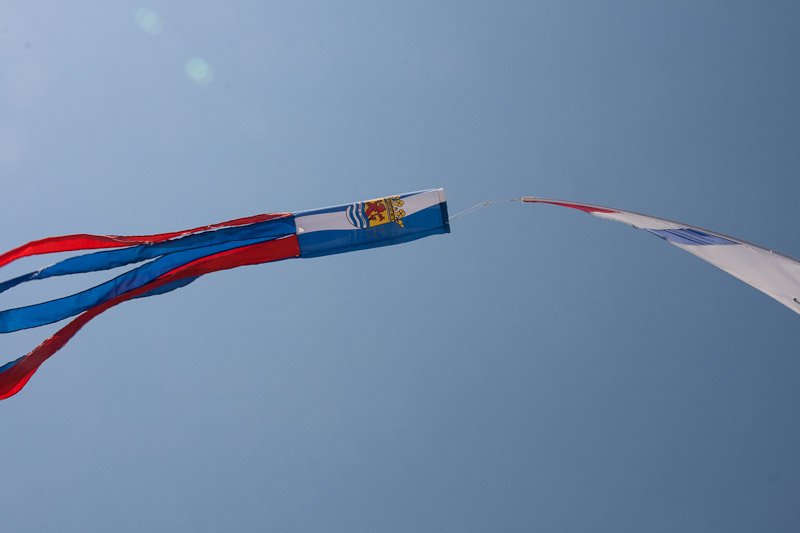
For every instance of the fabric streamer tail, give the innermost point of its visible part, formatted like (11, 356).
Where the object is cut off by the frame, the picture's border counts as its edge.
(85, 241)
(173, 260)
(15, 375)
(773, 273)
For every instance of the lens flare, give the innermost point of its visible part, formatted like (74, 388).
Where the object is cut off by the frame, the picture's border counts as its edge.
(199, 71)
(148, 21)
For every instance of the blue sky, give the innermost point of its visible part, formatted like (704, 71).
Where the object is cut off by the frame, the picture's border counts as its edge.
(536, 369)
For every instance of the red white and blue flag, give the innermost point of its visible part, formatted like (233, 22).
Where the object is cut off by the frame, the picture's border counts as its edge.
(771, 272)
(173, 260)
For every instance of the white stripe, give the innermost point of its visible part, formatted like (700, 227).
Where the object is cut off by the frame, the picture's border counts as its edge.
(337, 220)
(640, 221)
(771, 272)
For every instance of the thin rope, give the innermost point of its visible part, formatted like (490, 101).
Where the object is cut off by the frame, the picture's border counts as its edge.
(480, 205)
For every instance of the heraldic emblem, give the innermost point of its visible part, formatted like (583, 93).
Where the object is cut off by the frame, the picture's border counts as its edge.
(376, 212)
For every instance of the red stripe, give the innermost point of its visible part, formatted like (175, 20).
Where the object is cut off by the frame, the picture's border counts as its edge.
(582, 207)
(13, 379)
(83, 241)
(16, 386)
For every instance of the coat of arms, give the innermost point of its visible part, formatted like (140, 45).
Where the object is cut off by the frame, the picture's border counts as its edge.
(376, 212)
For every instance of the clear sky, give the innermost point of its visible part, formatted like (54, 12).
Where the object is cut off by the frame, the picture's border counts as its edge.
(537, 369)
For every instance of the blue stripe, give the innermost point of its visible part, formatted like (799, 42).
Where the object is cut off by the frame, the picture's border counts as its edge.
(689, 236)
(20, 279)
(135, 254)
(169, 287)
(363, 222)
(7, 366)
(429, 221)
(55, 310)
